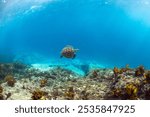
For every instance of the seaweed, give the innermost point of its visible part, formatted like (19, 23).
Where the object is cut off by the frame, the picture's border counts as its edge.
(1, 89)
(39, 95)
(116, 71)
(147, 76)
(84, 95)
(70, 93)
(94, 74)
(10, 80)
(43, 82)
(129, 92)
(140, 71)
(1, 97)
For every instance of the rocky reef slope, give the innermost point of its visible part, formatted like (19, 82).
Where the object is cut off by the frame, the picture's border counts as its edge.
(23, 82)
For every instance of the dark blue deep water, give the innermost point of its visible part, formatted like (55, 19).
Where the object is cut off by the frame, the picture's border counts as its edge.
(110, 32)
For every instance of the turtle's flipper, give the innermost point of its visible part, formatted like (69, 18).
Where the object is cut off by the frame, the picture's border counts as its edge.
(61, 56)
(74, 56)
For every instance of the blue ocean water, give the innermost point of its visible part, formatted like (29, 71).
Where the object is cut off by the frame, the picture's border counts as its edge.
(108, 32)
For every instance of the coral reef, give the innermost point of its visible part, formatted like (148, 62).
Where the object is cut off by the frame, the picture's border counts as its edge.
(25, 82)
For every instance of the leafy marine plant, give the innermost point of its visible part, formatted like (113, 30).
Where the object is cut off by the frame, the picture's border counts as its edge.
(131, 91)
(128, 92)
(118, 71)
(39, 95)
(10, 80)
(147, 76)
(1, 97)
(95, 73)
(43, 82)
(1, 91)
(140, 71)
(70, 93)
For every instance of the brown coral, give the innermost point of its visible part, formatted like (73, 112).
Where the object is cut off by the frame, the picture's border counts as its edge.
(147, 76)
(1, 89)
(132, 91)
(70, 93)
(116, 71)
(94, 74)
(129, 91)
(140, 71)
(10, 80)
(39, 95)
(1, 97)
(84, 95)
(43, 82)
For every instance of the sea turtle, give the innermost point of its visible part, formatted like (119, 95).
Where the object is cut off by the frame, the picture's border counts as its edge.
(68, 52)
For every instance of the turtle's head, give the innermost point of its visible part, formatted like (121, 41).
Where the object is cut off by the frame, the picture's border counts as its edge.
(76, 50)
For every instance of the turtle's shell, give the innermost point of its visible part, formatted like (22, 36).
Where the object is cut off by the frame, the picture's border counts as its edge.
(68, 52)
